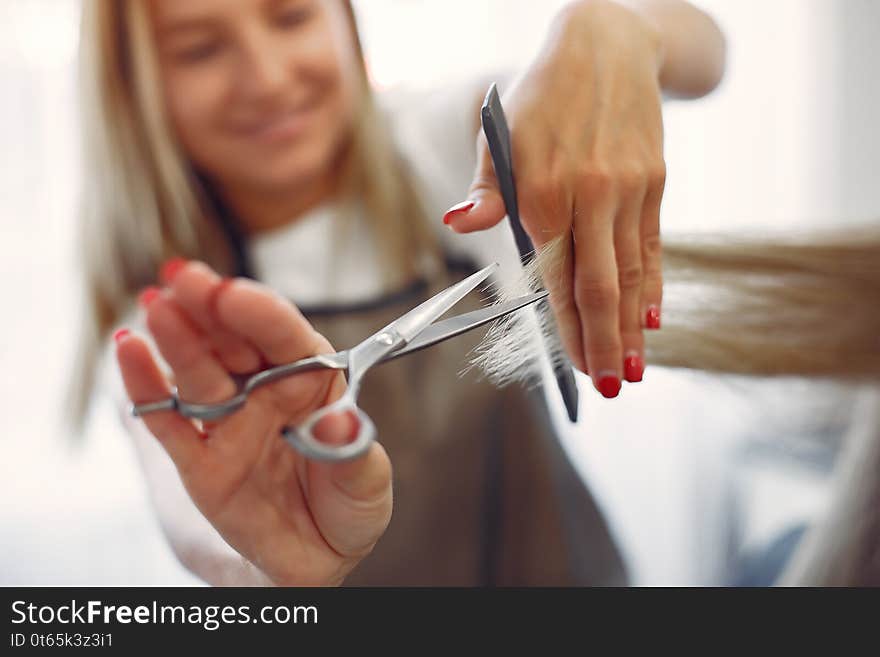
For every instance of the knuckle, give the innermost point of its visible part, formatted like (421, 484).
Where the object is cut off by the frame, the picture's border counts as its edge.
(652, 246)
(629, 277)
(543, 189)
(631, 177)
(657, 174)
(596, 293)
(595, 179)
(482, 181)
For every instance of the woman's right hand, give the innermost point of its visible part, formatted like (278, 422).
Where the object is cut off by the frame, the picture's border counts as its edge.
(300, 522)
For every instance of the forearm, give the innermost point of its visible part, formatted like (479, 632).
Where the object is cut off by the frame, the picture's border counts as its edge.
(691, 46)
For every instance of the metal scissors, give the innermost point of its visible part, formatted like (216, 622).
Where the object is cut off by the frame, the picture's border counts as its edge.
(415, 330)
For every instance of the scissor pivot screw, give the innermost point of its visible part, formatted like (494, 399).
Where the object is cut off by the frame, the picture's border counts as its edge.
(385, 338)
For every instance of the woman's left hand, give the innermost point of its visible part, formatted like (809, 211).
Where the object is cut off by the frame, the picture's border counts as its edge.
(587, 140)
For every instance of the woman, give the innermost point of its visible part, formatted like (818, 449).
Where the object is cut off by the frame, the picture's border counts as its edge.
(233, 131)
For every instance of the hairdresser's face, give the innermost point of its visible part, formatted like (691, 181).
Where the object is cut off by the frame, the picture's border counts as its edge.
(261, 93)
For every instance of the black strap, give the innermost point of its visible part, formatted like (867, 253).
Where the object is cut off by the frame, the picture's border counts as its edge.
(232, 230)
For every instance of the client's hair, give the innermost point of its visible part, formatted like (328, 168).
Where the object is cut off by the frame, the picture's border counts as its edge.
(806, 306)
(785, 307)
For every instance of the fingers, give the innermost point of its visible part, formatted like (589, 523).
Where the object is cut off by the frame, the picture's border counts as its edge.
(257, 326)
(628, 252)
(652, 255)
(363, 479)
(558, 275)
(194, 287)
(337, 428)
(546, 210)
(597, 295)
(267, 321)
(281, 335)
(484, 206)
(351, 501)
(199, 375)
(144, 382)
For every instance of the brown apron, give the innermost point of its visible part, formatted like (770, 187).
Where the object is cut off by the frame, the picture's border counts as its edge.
(483, 492)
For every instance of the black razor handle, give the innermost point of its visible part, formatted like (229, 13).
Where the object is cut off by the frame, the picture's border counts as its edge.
(498, 137)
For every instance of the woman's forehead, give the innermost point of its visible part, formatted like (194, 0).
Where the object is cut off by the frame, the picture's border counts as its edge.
(173, 15)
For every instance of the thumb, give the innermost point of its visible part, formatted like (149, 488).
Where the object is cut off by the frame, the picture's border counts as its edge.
(484, 206)
(351, 501)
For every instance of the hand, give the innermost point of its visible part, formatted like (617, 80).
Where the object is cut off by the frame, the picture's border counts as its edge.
(298, 521)
(587, 140)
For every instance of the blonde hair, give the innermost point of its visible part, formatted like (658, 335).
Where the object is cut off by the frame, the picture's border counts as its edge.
(807, 306)
(142, 202)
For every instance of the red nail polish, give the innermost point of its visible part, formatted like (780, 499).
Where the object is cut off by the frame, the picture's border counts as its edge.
(147, 295)
(120, 335)
(203, 434)
(170, 269)
(652, 317)
(633, 369)
(462, 207)
(609, 386)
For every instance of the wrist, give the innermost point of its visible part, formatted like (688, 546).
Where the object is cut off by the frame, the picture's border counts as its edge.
(633, 20)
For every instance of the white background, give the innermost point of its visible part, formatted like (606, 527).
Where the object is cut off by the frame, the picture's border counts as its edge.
(788, 141)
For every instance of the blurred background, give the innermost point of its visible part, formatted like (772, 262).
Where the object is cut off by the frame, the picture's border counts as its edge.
(699, 477)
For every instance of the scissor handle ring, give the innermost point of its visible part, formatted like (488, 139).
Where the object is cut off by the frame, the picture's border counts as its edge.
(302, 438)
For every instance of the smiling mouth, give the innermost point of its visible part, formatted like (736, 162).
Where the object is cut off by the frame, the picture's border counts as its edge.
(281, 127)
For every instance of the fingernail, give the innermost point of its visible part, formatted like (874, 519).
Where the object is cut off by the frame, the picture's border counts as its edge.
(203, 434)
(633, 368)
(120, 334)
(147, 295)
(461, 208)
(652, 317)
(609, 386)
(170, 269)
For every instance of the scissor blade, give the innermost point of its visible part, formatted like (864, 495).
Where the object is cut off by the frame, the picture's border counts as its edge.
(423, 315)
(449, 328)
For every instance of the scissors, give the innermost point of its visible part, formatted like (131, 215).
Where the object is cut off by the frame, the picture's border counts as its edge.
(498, 138)
(415, 330)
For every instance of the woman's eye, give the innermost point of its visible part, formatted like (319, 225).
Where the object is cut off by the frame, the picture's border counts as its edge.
(293, 17)
(198, 52)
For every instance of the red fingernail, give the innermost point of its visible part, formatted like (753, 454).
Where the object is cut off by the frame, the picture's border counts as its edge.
(170, 269)
(462, 207)
(120, 335)
(203, 434)
(609, 386)
(652, 317)
(147, 295)
(633, 369)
